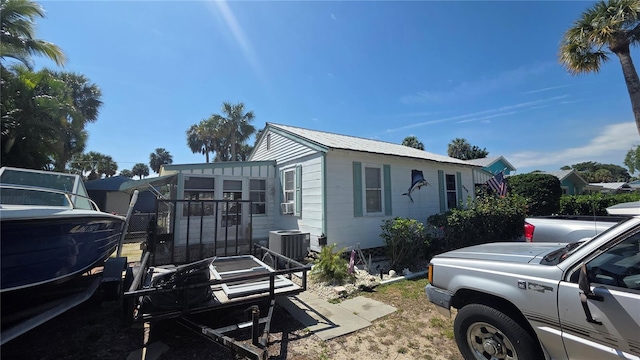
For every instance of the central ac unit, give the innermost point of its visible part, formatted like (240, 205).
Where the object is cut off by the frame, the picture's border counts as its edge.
(293, 244)
(286, 208)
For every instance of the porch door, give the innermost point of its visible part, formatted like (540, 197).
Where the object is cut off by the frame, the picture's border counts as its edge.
(231, 214)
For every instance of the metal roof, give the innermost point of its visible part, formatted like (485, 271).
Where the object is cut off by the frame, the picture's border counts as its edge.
(345, 142)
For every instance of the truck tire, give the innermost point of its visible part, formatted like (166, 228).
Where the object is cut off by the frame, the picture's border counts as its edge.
(483, 332)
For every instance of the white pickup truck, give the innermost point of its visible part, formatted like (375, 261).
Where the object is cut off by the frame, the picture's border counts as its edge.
(544, 300)
(566, 228)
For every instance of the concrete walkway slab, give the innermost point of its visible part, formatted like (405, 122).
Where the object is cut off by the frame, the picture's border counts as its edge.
(328, 320)
(151, 352)
(366, 308)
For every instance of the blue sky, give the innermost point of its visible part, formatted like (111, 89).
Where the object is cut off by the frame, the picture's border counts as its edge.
(484, 71)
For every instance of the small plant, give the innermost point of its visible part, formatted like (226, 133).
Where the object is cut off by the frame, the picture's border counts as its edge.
(330, 266)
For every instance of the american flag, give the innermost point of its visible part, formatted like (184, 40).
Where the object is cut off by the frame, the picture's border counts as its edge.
(497, 184)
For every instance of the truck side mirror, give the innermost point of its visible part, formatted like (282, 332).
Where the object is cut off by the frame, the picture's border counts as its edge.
(586, 293)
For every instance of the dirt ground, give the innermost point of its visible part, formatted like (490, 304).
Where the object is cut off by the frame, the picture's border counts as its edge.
(94, 330)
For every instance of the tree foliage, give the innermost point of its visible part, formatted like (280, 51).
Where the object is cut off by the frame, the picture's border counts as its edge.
(412, 141)
(461, 149)
(541, 191)
(93, 165)
(17, 33)
(589, 171)
(126, 173)
(607, 27)
(140, 170)
(158, 158)
(632, 159)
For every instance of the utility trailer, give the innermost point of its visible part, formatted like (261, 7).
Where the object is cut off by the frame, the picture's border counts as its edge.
(156, 290)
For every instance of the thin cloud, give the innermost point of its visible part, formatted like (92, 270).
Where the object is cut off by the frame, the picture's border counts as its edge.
(333, 16)
(479, 87)
(491, 113)
(546, 89)
(222, 8)
(613, 143)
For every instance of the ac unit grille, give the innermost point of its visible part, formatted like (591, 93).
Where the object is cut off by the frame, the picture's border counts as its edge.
(293, 244)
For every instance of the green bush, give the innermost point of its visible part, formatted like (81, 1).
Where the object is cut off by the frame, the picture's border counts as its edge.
(487, 219)
(542, 192)
(593, 204)
(330, 266)
(405, 240)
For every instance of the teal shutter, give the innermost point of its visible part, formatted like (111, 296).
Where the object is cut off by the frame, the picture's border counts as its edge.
(298, 209)
(459, 186)
(357, 189)
(387, 189)
(443, 207)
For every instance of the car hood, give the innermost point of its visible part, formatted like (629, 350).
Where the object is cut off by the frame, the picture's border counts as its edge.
(504, 252)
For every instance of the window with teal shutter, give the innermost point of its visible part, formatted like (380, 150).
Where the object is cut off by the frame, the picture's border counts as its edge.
(387, 189)
(357, 189)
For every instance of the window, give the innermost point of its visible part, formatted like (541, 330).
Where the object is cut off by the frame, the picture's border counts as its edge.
(619, 266)
(258, 196)
(373, 189)
(198, 188)
(289, 186)
(452, 197)
(232, 211)
(565, 190)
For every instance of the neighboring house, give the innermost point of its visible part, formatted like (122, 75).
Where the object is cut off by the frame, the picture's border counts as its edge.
(611, 188)
(344, 186)
(105, 193)
(570, 181)
(490, 167)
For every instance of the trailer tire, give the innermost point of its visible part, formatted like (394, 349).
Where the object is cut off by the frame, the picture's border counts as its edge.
(483, 332)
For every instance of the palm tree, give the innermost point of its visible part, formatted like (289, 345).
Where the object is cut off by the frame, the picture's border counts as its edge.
(159, 158)
(412, 141)
(612, 25)
(140, 170)
(237, 125)
(205, 137)
(461, 149)
(17, 33)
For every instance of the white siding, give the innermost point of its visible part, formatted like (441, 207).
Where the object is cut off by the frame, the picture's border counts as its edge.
(346, 230)
(281, 149)
(312, 200)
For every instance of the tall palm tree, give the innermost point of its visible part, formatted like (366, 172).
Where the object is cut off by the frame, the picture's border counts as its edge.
(612, 25)
(237, 125)
(159, 158)
(412, 141)
(458, 148)
(17, 32)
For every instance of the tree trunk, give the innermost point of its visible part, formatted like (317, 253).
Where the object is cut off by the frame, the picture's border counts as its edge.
(633, 82)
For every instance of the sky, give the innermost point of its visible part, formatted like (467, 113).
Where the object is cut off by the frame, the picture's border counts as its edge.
(483, 71)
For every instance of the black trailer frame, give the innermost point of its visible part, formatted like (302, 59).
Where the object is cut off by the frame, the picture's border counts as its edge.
(138, 282)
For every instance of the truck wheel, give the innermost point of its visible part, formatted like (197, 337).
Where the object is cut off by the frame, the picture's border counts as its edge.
(483, 332)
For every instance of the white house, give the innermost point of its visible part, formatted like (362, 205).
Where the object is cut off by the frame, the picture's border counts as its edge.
(316, 182)
(344, 186)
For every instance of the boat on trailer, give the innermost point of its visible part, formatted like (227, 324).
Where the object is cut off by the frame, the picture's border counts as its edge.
(51, 230)
(51, 234)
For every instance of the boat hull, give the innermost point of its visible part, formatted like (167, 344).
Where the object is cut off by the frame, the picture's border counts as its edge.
(41, 251)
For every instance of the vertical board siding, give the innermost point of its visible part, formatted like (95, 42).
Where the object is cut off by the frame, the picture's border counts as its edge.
(357, 189)
(441, 192)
